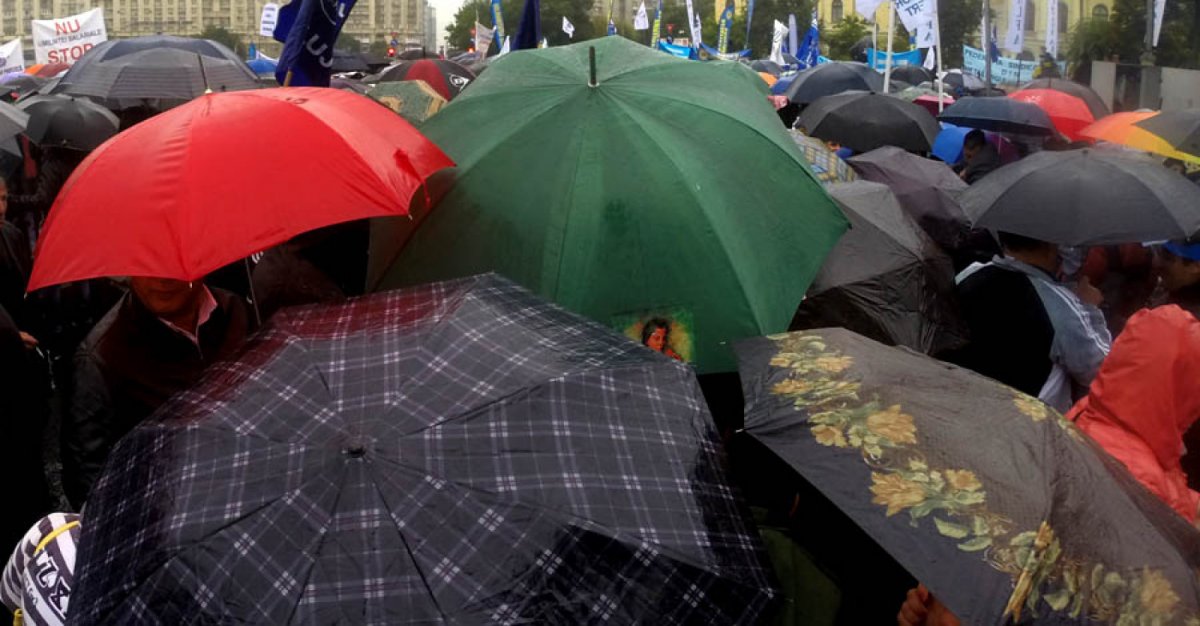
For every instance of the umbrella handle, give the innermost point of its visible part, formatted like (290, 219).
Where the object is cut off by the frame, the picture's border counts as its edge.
(592, 64)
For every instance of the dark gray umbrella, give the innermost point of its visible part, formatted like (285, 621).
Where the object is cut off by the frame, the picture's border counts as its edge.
(1086, 198)
(831, 79)
(912, 74)
(1181, 129)
(13, 121)
(864, 121)
(764, 65)
(927, 190)
(22, 84)
(458, 453)
(158, 67)
(885, 278)
(999, 114)
(345, 61)
(66, 122)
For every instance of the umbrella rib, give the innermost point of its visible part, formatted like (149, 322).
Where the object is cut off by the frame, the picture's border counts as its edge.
(404, 540)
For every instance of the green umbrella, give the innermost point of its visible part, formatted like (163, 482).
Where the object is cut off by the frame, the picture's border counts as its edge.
(414, 100)
(659, 196)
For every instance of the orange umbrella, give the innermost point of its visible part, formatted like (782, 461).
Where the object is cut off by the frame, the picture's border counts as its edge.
(32, 70)
(768, 78)
(1120, 128)
(1070, 114)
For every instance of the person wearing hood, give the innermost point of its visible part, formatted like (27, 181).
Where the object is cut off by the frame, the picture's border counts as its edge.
(980, 156)
(1145, 398)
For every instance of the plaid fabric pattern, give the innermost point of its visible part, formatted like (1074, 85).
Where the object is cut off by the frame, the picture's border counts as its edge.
(825, 165)
(459, 452)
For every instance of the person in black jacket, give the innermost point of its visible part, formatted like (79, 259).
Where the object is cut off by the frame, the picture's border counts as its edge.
(155, 342)
(980, 155)
(22, 420)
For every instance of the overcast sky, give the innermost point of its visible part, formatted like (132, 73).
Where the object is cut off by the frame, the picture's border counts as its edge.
(445, 13)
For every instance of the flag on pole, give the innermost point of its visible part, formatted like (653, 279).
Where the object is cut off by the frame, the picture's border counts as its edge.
(867, 8)
(725, 24)
(810, 48)
(698, 30)
(483, 39)
(529, 29)
(498, 21)
(777, 36)
(1014, 39)
(612, 28)
(1160, 7)
(793, 36)
(505, 48)
(309, 37)
(656, 31)
(641, 21)
(568, 28)
(749, 19)
(692, 22)
(545, 43)
(930, 60)
(1052, 27)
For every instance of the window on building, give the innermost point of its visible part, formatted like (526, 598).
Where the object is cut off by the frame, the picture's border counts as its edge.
(1062, 17)
(836, 11)
(1100, 12)
(1030, 16)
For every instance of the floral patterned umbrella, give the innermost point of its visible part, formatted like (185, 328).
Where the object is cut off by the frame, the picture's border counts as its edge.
(1006, 511)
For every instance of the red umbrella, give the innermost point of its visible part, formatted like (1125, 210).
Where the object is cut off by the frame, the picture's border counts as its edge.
(1070, 114)
(227, 175)
(446, 77)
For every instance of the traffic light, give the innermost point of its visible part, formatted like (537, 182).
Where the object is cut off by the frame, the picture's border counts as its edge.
(391, 53)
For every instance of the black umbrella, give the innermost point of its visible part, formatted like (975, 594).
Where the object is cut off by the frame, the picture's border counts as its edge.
(885, 278)
(66, 122)
(1181, 129)
(912, 74)
(764, 65)
(157, 67)
(864, 121)
(412, 54)
(1086, 198)
(458, 453)
(22, 84)
(962, 81)
(858, 51)
(999, 114)
(349, 84)
(345, 61)
(1006, 512)
(13, 121)
(1093, 100)
(831, 79)
(927, 190)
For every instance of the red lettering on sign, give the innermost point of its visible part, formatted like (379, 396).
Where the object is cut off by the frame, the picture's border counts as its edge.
(68, 55)
(64, 28)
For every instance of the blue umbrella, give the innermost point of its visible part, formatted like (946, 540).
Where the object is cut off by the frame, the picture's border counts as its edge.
(949, 143)
(261, 66)
(781, 85)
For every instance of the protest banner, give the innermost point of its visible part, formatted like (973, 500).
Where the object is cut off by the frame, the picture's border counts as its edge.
(66, 39)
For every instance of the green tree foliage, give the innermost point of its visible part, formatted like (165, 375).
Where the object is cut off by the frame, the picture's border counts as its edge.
(958, 21)
(346, 41)
(839, 39)
(1122, 36)
(225, 38)
(553, 11)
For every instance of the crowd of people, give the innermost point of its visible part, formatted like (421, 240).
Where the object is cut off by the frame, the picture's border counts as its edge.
(85, 363)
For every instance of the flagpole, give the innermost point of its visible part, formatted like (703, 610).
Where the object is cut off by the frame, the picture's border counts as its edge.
(937, 32)
(875, 33)
(987, 44)
(887, 72)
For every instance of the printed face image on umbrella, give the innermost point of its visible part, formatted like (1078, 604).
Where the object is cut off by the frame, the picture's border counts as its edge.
(456, 453)
(1004, 510)
(627, 215)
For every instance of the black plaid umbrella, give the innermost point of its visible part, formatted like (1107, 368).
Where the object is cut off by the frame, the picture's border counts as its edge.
(456, 453)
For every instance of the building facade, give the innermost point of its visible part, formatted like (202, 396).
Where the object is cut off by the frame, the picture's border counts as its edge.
(1070, 12)
(371, 20)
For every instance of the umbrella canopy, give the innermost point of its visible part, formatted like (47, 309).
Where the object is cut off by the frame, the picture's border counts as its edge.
(999, 114)
(830, 79)
(949, 143)
(1122, 129)
(637, 209)
(885, 279)
(827, 166)
(345, 61)
(1093, 100)
(1086, 198)
(928, 191)
(13, 121)
(446, 77)
(198, 202)
(1069, 114)
(47, 70)
(1007, 512)
(961, 81)
(66, 122)
(770, 67)
(156, 67)
(414, 100)
(864, 121)
(414, 54)
(460, 453)
(21, 84)
(262, 67)
(912, 74)
(1181, 129)
(349, 84)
